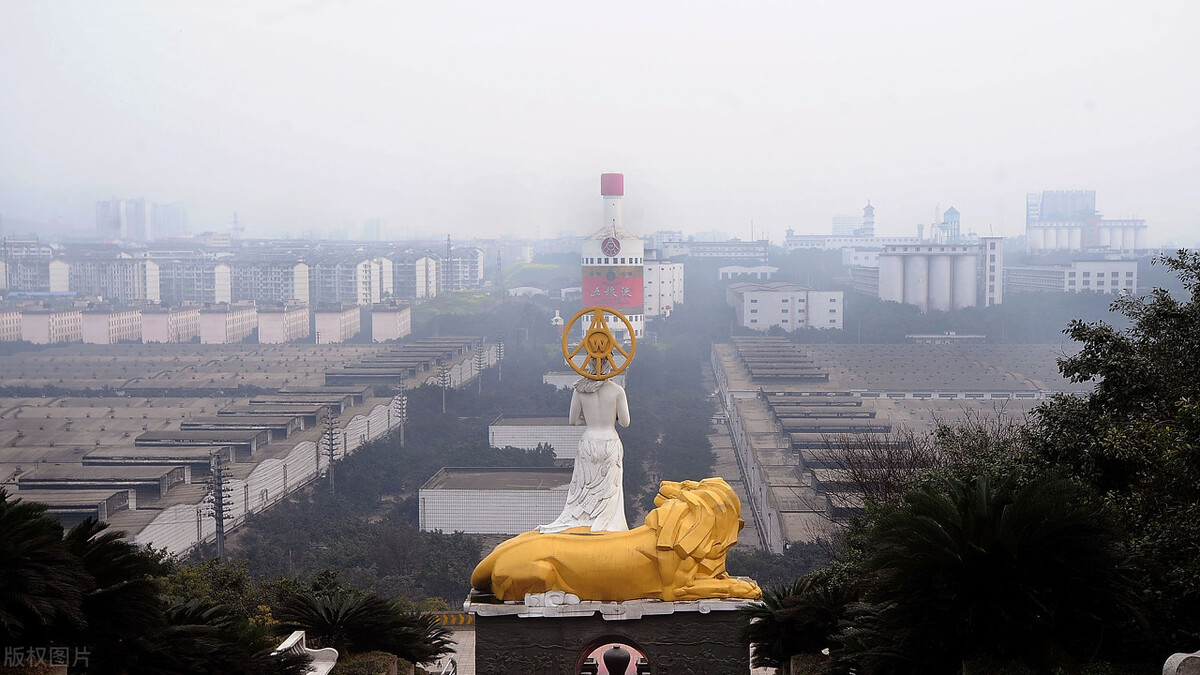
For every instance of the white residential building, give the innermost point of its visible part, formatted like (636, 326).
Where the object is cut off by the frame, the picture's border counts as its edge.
(277, 280)
(120, 279)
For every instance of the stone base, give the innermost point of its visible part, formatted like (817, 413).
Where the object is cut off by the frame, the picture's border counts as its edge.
(549, 633)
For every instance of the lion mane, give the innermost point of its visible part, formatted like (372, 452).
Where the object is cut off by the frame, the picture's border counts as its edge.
(678, 554)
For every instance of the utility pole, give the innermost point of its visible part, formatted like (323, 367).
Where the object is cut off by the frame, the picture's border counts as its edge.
(399, 409)
(221, 491)
(480, 364)
(329, 440)
(444, 380)
(499, 356)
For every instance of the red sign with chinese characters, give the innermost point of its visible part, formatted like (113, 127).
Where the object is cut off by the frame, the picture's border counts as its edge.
(617, 287)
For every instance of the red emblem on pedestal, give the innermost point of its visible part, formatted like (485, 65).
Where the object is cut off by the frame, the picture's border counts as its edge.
(611, 246)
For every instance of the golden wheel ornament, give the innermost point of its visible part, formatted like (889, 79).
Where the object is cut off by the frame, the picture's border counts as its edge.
(599, 345)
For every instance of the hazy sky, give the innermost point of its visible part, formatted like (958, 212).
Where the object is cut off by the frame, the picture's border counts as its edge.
(498, 117)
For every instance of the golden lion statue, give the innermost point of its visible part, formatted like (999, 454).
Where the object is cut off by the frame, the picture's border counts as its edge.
(679, 554)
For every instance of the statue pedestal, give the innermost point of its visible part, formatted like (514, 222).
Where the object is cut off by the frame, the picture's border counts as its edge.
(550, 634)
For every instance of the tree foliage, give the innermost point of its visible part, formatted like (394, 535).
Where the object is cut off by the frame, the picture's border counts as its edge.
(1029, 545)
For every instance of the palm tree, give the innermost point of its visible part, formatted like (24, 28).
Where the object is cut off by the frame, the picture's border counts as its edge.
(355, 622)
(801, 618)
(41, 583)
(123, 606)
(204, 637)
(975, 570)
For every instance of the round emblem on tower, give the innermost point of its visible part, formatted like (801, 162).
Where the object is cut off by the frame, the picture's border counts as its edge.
(611, 246)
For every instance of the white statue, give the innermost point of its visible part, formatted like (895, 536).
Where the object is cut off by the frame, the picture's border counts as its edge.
(596, 498)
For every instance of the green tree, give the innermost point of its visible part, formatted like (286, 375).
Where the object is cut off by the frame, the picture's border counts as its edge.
(355, 622)
(963, 570)
(1136, 439)
(42, 585)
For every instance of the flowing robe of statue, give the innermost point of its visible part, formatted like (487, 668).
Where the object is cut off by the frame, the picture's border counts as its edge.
(595, 497)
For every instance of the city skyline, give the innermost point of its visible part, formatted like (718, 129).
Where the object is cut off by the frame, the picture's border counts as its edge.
(435, 120)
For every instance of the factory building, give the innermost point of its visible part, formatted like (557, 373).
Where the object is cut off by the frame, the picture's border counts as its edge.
(1099, 276)
(337, 324)
(762, 305)
(492, 500)
(931, 276)
(173, 324)
(1067, 220)
(663, 287)
(45, 326)
(528, 431)
(390, 320)
(227, 324)
(111, 326)
(612, 262)
(283, 323)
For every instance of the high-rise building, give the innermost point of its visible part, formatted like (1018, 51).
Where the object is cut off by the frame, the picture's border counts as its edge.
(1069, 221)
(845, 226)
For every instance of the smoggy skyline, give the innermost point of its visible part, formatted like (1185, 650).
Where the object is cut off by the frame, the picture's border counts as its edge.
(480, 119)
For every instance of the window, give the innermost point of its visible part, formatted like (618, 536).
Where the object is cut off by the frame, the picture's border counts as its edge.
(754, 300)
(992, 245)
(1087, 274)
(1071, 282)
(1099, 274)
(753, 320)
(1086, 282)
(785, 312)
(1129, 274)
(833, 311)
(992, 288)
(1114, 282)
(754, 311)
(992, 258)
(833, 299)
(833, 321)
(1070, 274)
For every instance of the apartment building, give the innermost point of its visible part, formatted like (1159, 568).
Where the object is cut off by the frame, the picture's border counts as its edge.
(194, 280)
(121, 279)
(268, 280)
